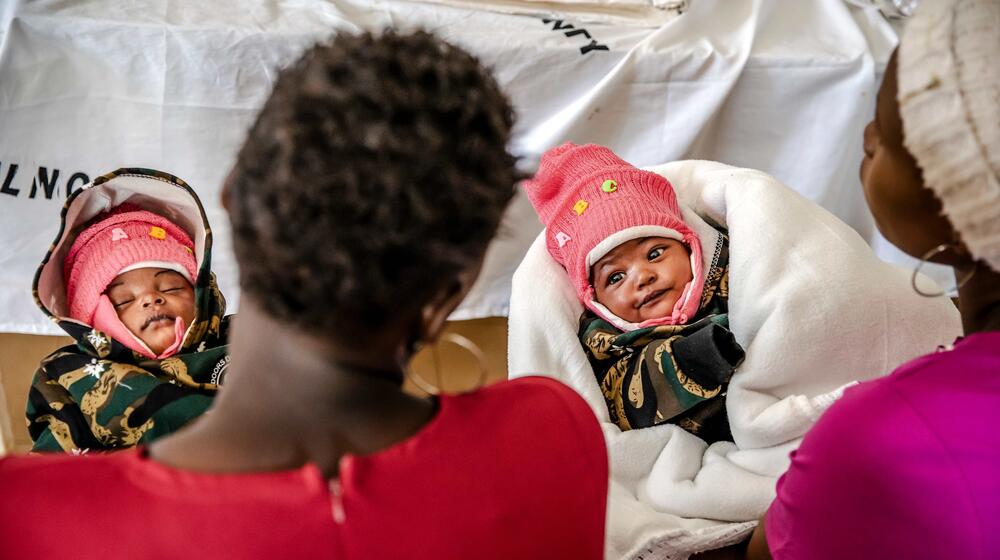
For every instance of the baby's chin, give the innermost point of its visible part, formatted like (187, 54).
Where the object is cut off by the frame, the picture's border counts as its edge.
(660, 310)
(158, 337)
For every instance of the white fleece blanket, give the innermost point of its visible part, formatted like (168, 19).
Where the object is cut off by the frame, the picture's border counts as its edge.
(812, 306)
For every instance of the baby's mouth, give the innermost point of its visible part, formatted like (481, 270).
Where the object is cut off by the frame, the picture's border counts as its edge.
(156, 318)
(652, 297)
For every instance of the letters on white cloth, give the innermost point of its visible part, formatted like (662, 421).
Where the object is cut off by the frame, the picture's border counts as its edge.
(815, 311)
(637, 13)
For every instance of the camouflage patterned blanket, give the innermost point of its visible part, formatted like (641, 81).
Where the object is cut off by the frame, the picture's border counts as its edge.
(98, 394)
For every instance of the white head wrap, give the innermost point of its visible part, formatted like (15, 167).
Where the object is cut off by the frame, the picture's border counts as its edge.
(949, 100)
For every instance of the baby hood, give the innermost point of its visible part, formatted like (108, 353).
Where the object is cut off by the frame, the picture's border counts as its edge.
(158, 192)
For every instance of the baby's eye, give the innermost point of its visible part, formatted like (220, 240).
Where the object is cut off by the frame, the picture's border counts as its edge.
(173, 289)
(655, 253)
(616, 278)
(121, 304)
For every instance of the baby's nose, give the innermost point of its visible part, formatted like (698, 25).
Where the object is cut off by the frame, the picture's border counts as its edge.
(646, 277)
(151, 299)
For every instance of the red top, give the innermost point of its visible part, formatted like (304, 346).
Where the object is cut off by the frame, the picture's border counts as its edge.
(515, 470)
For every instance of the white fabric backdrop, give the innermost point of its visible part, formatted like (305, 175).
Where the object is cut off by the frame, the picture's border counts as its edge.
(641, 13)
(92, 85)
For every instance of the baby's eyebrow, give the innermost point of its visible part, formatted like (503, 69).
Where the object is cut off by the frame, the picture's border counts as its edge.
(604, 264)
(164, 271)
(114, 285)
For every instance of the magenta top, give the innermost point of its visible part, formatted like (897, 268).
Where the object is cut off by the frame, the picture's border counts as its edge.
(906, 466)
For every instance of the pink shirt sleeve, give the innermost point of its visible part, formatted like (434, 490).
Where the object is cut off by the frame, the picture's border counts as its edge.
(871, 480)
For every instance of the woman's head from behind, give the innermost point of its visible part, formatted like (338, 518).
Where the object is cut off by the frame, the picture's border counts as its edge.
(367, 191)
(932, 155)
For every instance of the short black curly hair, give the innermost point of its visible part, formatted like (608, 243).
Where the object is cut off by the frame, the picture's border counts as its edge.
(376, 172)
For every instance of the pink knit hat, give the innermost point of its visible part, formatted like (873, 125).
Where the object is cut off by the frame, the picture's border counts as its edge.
(592, 201)
(116, 242)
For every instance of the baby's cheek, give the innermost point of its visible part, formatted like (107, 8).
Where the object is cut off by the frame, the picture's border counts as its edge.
(682, 270)
(128, 318)
(620, 309)
(187, 311)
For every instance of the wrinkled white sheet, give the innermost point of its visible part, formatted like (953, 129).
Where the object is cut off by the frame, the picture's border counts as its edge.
(92, 85)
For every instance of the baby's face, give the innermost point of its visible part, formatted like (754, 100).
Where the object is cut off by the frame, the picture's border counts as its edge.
(148, 300)
(643, 278)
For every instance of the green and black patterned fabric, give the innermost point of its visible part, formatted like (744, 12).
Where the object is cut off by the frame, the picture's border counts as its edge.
(675, 374)
(99, 395)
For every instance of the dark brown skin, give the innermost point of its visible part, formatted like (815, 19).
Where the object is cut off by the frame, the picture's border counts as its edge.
(642, 279)
(909, 215)
(294, 398)
(148, 300)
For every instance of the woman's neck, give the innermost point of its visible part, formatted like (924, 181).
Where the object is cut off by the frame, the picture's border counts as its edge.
(979, 298)
(288, 401)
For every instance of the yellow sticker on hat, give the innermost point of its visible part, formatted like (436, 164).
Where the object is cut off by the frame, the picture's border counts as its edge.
(580, 206)
(157, 233)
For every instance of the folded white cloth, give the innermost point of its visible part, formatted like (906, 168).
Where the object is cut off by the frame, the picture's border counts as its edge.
(815, 311)
(635, 13)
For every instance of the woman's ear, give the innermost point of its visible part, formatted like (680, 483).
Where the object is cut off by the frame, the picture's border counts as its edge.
(959, 246)
(226, 191)
(435, 313)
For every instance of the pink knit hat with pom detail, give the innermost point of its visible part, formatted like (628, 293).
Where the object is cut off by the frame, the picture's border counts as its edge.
(591, 201)
(115, 241)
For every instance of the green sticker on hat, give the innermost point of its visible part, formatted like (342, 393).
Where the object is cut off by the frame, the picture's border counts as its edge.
(609, 186)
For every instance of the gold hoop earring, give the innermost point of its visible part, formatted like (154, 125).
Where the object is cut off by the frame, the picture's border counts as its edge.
(457, 340)
(924, 259)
